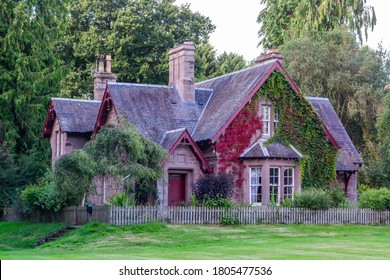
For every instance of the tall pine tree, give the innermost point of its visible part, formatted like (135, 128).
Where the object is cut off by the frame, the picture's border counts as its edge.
(30, 72)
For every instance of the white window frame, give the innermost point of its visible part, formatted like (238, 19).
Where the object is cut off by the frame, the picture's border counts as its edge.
(287, 185)
(272, 186)
(266, 120)
(276, 117)
(254, 185)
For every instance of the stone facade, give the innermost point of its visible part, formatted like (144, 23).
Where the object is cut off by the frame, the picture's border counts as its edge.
(63, 143)
(181, 161)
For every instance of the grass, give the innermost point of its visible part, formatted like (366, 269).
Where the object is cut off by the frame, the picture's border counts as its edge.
(160, 241)
(23, 234)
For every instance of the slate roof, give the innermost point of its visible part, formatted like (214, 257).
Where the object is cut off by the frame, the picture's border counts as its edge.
(348, 157)
(156, 109)
(272, 150)
(76, 115)
(229, 92)
(170, 138)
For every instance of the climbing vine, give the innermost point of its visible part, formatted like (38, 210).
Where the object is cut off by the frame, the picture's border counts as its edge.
(237, 138)
(300, 126)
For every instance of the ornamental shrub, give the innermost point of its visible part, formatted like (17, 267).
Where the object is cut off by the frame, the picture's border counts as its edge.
(121, 199)
(41, 196)
(377, 199)
(313, 199)
(216, 202)
(338, 196)
(73, 174)
(214, 186)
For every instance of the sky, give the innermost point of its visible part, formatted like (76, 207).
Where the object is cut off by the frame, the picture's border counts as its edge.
(237, 27)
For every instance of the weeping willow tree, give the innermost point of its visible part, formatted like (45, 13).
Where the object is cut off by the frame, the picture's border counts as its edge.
(281, 19)
(120, 152)
(73, 174)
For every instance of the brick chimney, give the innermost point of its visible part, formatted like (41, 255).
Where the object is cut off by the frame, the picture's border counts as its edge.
(102, 77)
(181, 70)
(270, 55)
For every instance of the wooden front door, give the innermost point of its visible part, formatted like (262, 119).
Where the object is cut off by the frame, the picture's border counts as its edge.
(176, 188)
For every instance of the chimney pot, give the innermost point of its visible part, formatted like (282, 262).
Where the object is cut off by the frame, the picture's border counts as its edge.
(270, 55)
(101, 78)
(108, 63)
(101, 63)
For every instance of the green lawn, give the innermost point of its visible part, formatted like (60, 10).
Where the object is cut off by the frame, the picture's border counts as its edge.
(159, 241)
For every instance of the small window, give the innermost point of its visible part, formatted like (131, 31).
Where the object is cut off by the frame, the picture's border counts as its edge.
(274, 185)
(276, 118)
(255, 185)
(57, 139)
(289, 183)
(265, 116)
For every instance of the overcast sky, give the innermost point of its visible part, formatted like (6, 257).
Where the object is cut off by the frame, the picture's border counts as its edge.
(237, 27)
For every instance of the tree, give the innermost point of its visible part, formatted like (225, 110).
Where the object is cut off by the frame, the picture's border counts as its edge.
(205, 62)
(30, 72)
(275, 20)
(229, 62)
(333, 65)
(73, 174)
(122, 153)
(379, 169)
(280, 18)
(138, 33)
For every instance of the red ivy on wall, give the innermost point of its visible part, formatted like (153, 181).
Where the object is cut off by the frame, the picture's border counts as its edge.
(237, 138)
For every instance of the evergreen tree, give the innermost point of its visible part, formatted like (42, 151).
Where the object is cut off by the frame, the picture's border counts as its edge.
(30, 72)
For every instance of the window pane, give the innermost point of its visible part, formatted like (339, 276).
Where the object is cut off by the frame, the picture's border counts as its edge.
(265, 116)
(255, 185)
(274, 185)
(289, 183)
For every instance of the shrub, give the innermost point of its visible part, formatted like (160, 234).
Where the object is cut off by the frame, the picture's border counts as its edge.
(41, 197)
(286, 203)
(213, 186)
(217, 202)
(377, 199)
(313, 199)
(229, 221)
(121, 199)
(73, 174)
(337, 195)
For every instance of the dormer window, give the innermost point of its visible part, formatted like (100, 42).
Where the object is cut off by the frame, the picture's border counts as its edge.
(265, 116)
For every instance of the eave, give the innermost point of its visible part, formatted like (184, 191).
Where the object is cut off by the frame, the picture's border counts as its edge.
(49, 122)
(105, 107)
(186, 139)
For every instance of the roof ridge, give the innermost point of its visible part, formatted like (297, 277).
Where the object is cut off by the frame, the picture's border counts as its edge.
(316, 98)
(75, 99)
(140, 85)
(235, 72)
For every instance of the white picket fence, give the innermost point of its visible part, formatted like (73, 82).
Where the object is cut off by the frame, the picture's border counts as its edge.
(246, 215)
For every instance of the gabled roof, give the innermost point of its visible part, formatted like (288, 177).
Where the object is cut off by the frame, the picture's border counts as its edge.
(153, 109)
(231, 93)
(272, 150)
(348, 158)
(173, 138)
(74, 115)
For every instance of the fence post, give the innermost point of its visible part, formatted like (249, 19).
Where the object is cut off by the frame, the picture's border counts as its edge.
(161, 213)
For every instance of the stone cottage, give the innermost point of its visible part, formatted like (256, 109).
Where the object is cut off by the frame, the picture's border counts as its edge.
(189, 119)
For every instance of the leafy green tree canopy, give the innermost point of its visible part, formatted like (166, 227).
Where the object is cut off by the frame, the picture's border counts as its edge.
(279, 18)
(138, 33)
(333, 65)
(30, 73)
(73, 174)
